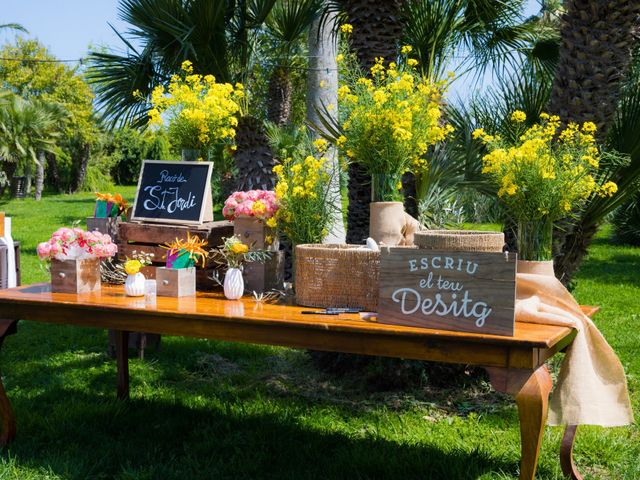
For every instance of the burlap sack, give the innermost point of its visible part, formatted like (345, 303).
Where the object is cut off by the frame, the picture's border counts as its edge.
(390, 225)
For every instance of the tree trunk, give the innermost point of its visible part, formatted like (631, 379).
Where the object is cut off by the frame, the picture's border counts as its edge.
(377, 29)
(253, 157)
(40, 175)
(280, 92)
(597, 38)
(323, 68)
(81, 164)
(52, 168)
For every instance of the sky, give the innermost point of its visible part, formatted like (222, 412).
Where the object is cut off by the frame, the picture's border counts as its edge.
(68, 27)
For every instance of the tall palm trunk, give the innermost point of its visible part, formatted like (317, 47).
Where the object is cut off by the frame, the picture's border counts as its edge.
(52, 167)
(377, 29)
(253, 157)
(40, 163)
(323, 70)
(597, 38)
(280, 96)
(81, 163)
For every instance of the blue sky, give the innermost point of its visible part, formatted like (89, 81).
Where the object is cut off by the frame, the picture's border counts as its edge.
(68, 27)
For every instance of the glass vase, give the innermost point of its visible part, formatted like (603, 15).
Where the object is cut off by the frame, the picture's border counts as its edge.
(535, 240)
(384, 187)
(191, 154)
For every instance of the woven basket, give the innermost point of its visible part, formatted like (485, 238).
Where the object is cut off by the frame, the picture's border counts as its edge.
(460, 240)
(340, 276)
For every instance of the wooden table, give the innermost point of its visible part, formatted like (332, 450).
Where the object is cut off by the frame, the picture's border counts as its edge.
(515, 364)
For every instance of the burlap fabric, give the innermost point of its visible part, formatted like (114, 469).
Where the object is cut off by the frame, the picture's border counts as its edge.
(460, 240)
(390, 225)
(591, 388)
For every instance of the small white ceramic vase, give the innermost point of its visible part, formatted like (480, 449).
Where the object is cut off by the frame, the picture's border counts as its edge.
(233, 284)
(134, 285)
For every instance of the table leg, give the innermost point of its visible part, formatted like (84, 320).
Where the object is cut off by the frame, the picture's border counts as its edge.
(8, 418)
(122, 363)
(531, 389)
(566, 453)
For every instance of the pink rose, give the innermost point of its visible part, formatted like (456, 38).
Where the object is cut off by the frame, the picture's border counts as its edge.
(44, 250)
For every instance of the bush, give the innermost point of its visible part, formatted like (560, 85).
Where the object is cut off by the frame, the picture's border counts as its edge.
(129, 147)
(626, 222)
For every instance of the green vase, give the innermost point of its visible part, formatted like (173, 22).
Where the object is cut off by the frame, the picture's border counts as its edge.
(535, 239)
(384, 187)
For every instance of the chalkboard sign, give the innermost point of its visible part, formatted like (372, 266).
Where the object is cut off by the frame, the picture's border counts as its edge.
(174, 192)
(459, 291)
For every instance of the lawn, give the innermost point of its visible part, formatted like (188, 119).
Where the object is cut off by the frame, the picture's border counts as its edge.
(202, 409)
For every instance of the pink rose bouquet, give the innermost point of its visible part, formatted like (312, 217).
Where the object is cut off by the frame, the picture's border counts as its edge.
(76, 244)
(261, 204)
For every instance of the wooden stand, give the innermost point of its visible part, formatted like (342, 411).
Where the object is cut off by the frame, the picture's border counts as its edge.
(176, 282)
(260, 277)
(145, 237)
(107, 226)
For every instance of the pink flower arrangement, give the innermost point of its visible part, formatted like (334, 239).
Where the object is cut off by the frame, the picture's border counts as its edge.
(261, 204)
(76, 244)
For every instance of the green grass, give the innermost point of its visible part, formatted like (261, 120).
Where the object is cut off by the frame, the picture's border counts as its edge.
(203, 409)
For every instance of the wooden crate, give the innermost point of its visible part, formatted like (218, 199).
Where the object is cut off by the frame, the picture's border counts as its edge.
(146, 237)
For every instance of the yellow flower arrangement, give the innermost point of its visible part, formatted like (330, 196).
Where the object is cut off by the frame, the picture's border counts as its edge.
(545, 175)
(200, 112)
(302, 190)
(390, 119)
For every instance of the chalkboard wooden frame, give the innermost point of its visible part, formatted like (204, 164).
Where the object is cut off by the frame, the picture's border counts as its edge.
(206, 209)
(428, 289)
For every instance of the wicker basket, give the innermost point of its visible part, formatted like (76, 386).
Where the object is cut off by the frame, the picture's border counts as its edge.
(341, 276)
(460, 240)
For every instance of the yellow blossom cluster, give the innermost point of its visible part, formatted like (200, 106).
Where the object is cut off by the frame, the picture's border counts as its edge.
(548, 172)
(199, 111)
(390, 119)
(302, 190)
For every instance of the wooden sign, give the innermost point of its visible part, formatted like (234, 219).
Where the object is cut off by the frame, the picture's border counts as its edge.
(174, 192)
(460, 291)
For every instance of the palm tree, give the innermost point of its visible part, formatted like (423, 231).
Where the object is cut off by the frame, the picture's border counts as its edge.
(218, 36)
(597, 43)
(27, 130)
(287, 24)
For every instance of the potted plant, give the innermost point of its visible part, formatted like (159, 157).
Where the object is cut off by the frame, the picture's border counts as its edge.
(543, 175)
(178, 278)
(200, 112)
(234, 254)
(251, 213)
(388, 120)
(75, 259)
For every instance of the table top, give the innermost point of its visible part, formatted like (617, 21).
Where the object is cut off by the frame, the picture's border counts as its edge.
(36, 301)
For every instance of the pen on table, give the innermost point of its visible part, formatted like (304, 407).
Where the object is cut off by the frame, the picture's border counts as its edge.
(319, 312)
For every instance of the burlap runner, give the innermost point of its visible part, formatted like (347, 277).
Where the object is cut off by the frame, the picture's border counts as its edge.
(591, 388)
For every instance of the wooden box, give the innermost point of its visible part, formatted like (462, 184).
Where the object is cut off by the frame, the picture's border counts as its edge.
(145, 237)
(176, 282)
(260, 277)
(75, 276)
(107, 226)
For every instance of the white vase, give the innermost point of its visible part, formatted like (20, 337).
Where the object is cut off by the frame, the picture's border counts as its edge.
(233, 284)
(134, 285)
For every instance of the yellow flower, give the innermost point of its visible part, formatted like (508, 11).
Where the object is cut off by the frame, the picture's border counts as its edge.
(518, 116)
(608, 189)
(412, 62)
(399, 186)
(478, 133)
(341, 140)
(339, 58)
(589, 127)
(132, 266)
(258, 207)
(239, 248)
(272, 222)
(406, 49)
(322, 83)
(346, 28)
(187, 66)
(321, 144)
